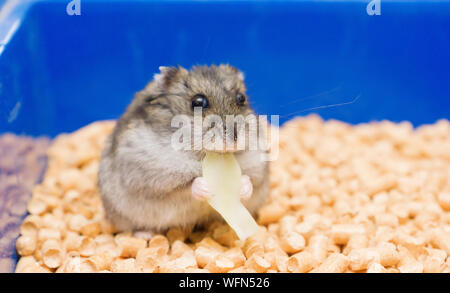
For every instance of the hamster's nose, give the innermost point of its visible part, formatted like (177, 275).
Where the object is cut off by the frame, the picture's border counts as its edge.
(235, 132)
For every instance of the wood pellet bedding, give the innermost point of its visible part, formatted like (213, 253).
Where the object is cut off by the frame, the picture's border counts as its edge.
(366, 198)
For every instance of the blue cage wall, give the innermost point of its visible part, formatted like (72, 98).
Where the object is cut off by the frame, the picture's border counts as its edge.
(61, 72)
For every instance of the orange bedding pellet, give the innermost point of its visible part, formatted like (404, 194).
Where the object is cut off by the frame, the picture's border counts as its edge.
(366, 198)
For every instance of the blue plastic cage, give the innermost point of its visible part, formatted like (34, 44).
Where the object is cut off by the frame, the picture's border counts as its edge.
(59, 72)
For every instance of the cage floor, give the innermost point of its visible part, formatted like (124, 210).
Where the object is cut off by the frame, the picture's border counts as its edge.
(366, 198)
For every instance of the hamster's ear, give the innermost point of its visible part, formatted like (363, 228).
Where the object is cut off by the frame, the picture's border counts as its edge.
(168, 74)
(232, 69)
(241, 75)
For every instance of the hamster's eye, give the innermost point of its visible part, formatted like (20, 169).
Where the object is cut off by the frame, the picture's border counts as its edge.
(200, 101)
(240, 99)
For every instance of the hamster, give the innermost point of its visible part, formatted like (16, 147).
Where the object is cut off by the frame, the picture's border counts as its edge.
(148, 186)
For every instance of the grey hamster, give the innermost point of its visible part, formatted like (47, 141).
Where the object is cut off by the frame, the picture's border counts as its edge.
(145, 184)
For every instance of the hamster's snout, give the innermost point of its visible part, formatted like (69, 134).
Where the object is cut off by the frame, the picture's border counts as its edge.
(227, 140)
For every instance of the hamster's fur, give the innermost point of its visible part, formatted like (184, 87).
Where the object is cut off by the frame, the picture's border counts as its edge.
(145, 184)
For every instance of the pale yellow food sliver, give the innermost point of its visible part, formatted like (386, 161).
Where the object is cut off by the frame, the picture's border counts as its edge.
(223, 176)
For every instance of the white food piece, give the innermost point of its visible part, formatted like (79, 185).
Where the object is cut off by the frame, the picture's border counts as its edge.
(223, 176)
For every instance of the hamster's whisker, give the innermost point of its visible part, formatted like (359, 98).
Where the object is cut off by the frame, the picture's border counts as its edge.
(323, 107)
(324, 93)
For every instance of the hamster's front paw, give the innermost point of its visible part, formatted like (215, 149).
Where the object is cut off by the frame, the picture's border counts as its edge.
(246, 187)
(200, 189)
